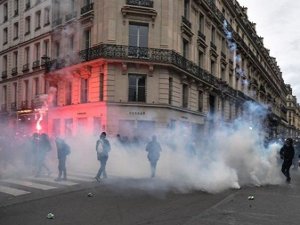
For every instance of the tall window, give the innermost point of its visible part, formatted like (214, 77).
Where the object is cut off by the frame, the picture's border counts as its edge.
(16, 7)
(16, 30)
(46, 47)
(213, 35)
(71, 42)
(37, 51)
(185, 95)
(5, 12)
(36, 86)
(47, 16)
(15, 59)
(27, 50)
(68, 127)
(185, 48)
(170, 90)
(57, 46)
(200, 101)
(38, 20)
(224, 45)
(15, 92)
(27, 25)
(223, 74)
(26, 90)
(138, 39)
(137, 88)
(4, 63)
(4, 97)
(87, 38)
(84, 91)
(201, 23)
(200, 59)
(101, 87)
(213, 67)
(186, 8)
(68, 93)
(5, 35)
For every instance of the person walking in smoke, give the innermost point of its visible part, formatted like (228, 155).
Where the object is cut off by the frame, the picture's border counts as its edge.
(63, 149)
(153, 148)
(287, 153)
(43, 148)
(102, 148)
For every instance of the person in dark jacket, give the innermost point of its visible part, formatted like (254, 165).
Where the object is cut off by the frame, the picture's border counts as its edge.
(102, 148)
(63, 149)
(153, 148)
(43, 147)
(287, 153)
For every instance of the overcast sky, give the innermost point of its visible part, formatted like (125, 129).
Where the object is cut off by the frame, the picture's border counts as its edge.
(278, 22)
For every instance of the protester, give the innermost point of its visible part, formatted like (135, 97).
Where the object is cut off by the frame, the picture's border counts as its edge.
(43, 147)
(102, 148)
(63, 149)
(153, 148)
(287, 154)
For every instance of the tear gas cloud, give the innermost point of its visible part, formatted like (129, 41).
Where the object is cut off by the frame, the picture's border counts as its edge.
(231, 156)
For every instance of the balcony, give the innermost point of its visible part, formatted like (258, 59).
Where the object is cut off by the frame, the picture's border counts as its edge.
(186, 22)
(36, 64)
(57, 22)
(13, 106)
(143, 3)
(213, 46)
(87, 8)
(27, 6)
(25, 67)
(14, 71)
(4, 74)
(71, 15)
(201, 35)
(37, 28)
(44, 60)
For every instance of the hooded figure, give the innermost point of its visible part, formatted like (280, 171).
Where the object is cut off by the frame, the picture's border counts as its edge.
(102, 148)
(153, 148)
(63, 149)
(287, 153)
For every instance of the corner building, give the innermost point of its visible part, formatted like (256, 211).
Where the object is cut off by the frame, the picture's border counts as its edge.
(134, 66)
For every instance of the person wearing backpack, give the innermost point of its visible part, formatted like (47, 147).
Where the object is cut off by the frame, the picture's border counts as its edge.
(63, 149)
(102, 148)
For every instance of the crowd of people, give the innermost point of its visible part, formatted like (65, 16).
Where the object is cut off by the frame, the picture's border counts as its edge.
(36, 148)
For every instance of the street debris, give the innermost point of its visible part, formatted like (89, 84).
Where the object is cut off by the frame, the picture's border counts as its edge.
(50, 216)
(90, 194)
(250, 197)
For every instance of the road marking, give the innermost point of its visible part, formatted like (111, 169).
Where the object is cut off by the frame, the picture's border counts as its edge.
(12, 191)
(86, 179)
(29, 184)
(51, 180)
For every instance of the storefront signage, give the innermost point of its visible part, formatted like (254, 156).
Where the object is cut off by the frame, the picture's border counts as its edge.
(136, 113)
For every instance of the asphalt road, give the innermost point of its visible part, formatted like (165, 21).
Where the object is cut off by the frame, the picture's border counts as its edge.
(127, 202)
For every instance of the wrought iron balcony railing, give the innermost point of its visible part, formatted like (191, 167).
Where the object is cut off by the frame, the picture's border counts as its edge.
(144, 3)
(213, 46)
(87, 8)
(57, 22)
(36, 64)
(25, 67)
(201, 35)
(14, 71)
(186, 22)
(71, 16)
(4, 74)
(27, 5)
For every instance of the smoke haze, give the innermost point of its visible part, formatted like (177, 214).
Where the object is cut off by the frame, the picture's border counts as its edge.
(232, 156)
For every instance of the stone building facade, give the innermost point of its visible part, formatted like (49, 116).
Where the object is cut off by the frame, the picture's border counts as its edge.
(136, 66)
